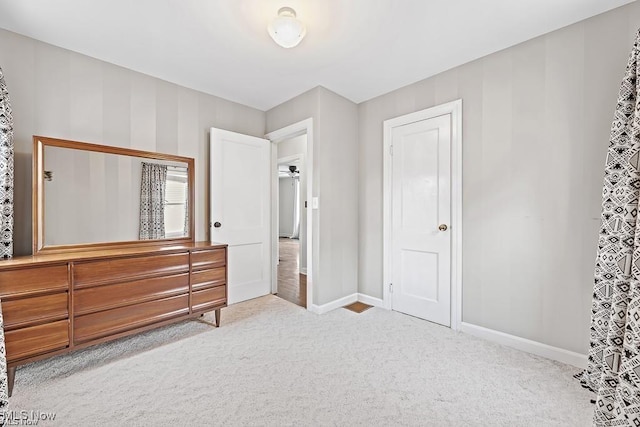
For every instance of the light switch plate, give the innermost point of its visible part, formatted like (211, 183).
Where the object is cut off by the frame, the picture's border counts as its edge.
(314, 203)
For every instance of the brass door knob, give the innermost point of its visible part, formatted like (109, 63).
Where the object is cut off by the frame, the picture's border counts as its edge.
(443, 227)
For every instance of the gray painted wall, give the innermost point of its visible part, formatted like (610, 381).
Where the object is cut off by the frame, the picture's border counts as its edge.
(337, 132)
(59, 93)
(335, 183)
(536, 121)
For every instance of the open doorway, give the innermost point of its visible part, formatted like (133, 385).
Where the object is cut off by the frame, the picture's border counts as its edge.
(293, 258)
(292, 280)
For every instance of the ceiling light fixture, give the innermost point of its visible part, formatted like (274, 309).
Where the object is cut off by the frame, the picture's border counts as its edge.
(285, 29)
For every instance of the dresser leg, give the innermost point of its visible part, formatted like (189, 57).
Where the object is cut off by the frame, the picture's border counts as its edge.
(217, 318)
(11, 376)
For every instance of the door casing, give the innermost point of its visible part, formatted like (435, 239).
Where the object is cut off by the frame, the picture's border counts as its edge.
(277, 136)
(453, 108)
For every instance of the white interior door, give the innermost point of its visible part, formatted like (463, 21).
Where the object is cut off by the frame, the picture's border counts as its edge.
(241, 210)
(420, 219)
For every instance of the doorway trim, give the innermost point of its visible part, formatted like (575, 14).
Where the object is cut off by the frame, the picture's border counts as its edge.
(300, 128)
(455, 109)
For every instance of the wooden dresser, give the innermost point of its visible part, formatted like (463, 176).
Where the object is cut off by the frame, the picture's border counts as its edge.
(56, 303)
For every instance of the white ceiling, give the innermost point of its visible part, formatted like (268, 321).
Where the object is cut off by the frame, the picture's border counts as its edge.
(357, 48)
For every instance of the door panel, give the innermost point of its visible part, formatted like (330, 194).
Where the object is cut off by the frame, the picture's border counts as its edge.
(240, 204)
(420, 203)
(240, 165)
(420, 275)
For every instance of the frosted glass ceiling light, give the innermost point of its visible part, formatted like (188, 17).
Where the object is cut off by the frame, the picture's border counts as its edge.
(286, 30)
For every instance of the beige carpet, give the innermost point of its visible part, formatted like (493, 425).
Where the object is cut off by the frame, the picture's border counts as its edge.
(273, 363)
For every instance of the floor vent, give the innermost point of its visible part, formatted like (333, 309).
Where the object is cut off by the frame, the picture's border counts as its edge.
(358, 307)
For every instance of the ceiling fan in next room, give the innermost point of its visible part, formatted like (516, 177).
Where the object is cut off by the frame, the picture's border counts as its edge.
(293, 171)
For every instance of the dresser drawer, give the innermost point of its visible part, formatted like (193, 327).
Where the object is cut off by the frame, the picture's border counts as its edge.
(208, 259)
(98, 298)
(114, 270)
(208, 278)
(23, 311)
(209, 298)
(111, 296)
(35, 340)
(108, 322)
(31, 280)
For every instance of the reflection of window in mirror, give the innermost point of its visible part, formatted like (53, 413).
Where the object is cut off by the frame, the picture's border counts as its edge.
(175, 204)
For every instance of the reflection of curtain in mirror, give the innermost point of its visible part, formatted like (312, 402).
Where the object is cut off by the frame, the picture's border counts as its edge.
(152, 191)
(186, 215)
(6, 214)
(296, 208)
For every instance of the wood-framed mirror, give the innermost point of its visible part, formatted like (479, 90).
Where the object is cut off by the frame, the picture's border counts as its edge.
(90, 196)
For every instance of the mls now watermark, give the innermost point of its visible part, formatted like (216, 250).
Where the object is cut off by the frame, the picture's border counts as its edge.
(26, 418)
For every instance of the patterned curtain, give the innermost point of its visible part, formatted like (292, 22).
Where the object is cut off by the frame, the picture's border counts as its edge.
(6, 172)
(186, 215)
(152, 196)
(613, 370)
(6, 219)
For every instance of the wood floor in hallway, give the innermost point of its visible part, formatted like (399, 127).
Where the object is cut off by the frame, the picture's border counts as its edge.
(292, 286)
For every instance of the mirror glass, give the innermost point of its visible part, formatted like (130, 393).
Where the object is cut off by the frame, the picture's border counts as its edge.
(89, 195)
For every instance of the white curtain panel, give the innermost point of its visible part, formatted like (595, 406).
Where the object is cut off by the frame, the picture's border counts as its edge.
(613, 371)
(296, 208)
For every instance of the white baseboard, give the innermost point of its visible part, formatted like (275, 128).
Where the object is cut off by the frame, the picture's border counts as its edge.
(303, 271)
(534, 347)
(366, 299)
(341, 302)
